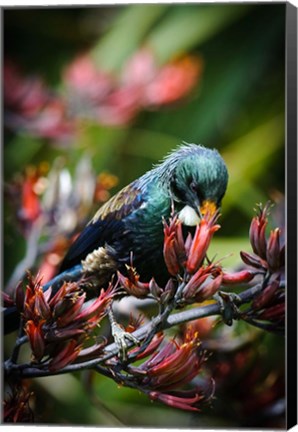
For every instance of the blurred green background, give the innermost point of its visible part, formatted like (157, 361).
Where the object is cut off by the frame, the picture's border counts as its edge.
(237, 106)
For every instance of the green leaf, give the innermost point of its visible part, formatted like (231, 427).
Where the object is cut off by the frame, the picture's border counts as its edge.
(227, 89)
(186, 27)
(247, 157)
(19, 152)
(126, 34)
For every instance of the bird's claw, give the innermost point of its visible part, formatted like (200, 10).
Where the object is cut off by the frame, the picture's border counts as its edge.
(121, 337)
(228, 309)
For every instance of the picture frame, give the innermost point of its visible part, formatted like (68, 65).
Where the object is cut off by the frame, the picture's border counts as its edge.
(95, 97)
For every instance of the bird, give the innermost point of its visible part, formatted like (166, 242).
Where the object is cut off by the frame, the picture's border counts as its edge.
(192, 179)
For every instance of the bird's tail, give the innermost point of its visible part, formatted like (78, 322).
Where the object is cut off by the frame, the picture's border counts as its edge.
(11, 316)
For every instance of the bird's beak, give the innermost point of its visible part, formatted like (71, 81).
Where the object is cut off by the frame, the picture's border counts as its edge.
(207, 207)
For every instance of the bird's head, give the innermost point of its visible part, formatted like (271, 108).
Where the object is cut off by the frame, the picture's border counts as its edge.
(197, 181)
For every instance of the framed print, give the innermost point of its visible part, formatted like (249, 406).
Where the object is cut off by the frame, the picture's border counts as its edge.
(149, 215)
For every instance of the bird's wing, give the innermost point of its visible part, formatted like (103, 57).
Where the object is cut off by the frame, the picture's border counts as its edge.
(107, 224)
(120, 205)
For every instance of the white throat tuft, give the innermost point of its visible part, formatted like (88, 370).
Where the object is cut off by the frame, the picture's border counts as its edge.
(188, 216)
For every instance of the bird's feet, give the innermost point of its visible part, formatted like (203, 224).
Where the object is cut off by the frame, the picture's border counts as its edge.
(228, 309)
(121, 337)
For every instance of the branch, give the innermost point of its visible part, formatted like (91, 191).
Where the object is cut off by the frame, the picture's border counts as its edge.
(29, 371)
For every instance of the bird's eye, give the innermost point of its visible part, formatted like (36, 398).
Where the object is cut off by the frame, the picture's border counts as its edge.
(193, 186)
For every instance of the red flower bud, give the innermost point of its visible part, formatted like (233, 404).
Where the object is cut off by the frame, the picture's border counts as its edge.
(194, 283)
(67, 355)
(238, 277)
(71, 313)
(273, 250)
(173, 250)
(94, 351)
(184, 403)
(151, 348)
(62, 306)
(132, 284)
(174, 365)
(207, 290)
(262, 243)
(41, 307)
(170, 256)
(188, 243)
(257, 231)
(257, 236)
(266, 296)
(253, 261)
(179, 243)
(36, 338)
(276, 312)
(200, 243)
(282, 256)
(154, 289)
(168, 292)
(34, 304)
(98, 308)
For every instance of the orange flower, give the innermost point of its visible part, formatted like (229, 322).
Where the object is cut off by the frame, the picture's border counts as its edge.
(36, 338)
(174, 364)
(167, 370)
(174, 249)
(132, 284)
(201, 241)
(57, 327)
(202, 284)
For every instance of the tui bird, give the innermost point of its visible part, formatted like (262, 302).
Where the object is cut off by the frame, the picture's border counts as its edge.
(192, 179)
